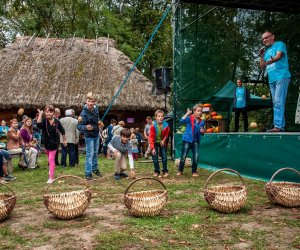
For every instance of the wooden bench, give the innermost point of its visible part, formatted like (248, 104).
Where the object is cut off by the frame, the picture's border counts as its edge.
(15, 154)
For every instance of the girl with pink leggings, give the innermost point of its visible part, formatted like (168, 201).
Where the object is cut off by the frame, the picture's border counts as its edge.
(51, 129)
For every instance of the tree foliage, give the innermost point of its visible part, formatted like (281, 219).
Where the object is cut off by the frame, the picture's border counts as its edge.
(130, 23)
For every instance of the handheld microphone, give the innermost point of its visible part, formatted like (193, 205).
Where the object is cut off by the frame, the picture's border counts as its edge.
(261, 50)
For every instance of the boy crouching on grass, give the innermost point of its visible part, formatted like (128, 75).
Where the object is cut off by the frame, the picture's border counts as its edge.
(158, 137)
(120, 145)
(191, 137)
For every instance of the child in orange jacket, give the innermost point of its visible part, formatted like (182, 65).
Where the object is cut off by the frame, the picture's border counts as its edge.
(158, 136)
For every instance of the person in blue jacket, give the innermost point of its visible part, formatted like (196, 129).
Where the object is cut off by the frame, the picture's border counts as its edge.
(89, 127)
(191, 137)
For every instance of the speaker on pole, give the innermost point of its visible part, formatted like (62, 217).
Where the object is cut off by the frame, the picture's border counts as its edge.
(162, 78)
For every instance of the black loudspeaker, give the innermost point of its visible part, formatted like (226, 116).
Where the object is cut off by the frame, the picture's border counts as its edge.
(162, 78)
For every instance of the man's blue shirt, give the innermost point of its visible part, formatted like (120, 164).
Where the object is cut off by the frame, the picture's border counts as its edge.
(280, 69)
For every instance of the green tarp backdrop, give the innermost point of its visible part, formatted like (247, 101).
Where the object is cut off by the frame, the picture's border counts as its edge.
(255, 155)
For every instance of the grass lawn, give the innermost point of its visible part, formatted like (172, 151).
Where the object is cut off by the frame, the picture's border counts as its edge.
(185, 223)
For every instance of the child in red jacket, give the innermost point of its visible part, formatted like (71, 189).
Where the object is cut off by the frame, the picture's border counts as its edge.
(158, 135)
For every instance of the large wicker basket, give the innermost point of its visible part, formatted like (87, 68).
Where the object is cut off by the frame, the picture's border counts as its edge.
(226, 198)
(284, 193)
(7, 203)
(68, 205)
(145, 203)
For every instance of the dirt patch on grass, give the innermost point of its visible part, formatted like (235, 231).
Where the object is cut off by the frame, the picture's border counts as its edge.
(80, 232)
(266, 227)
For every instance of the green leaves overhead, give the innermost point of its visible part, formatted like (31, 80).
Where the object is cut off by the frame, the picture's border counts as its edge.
(130, 23)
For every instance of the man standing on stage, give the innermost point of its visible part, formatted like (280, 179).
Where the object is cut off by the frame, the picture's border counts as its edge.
(241, 97)
(274, 58)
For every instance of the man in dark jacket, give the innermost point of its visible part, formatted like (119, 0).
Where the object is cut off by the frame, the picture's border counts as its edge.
(241, 99)
(89, 126)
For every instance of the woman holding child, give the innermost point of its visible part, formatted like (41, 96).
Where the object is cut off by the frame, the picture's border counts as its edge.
(29, 142)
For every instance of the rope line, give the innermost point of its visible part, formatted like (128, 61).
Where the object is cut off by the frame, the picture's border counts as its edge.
(137, 61)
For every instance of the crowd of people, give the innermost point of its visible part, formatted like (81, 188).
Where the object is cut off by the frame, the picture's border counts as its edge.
(118, 142)
(48, 132)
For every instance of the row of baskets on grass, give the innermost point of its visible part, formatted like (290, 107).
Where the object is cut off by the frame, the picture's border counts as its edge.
(223, 198)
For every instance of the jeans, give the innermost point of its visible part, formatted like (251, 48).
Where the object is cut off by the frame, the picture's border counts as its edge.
(70, 148)
(279, 92)
(77, 153)
(5, 154)
(100, 146)
(163, 152)
(238, 111)
(91, 158)
(105, 150)
(186, 146)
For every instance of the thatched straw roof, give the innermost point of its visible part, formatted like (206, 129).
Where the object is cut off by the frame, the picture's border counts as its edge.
(62, 71)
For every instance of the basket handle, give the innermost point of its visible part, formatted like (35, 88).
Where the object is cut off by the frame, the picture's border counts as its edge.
(280, 170)
(145, 178)
(224, 169)
(8, 188)
(63, 177)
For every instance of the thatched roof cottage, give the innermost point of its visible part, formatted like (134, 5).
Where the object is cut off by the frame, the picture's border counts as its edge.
(39, 71)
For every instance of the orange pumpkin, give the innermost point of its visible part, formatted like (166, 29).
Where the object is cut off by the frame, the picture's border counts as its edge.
(214, 113)
(209, 130)
(206, 105)
(253, 125)
(218, 117)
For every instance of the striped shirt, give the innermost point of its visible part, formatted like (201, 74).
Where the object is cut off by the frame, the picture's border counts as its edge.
(116, 144)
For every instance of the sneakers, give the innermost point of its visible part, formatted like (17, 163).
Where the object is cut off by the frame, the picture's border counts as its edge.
(124, 175)
(157, 175)
(50, 181)
(89, 178)
(179, 173)
(97, 172)
(165, 175)
(2, 181)
(9, 178)
(195, 175)
(117, 176)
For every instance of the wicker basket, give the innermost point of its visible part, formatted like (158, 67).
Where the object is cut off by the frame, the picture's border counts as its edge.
(284, 193)
(226, 199)
(145, 203)
(7, 203)
(68, 205)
